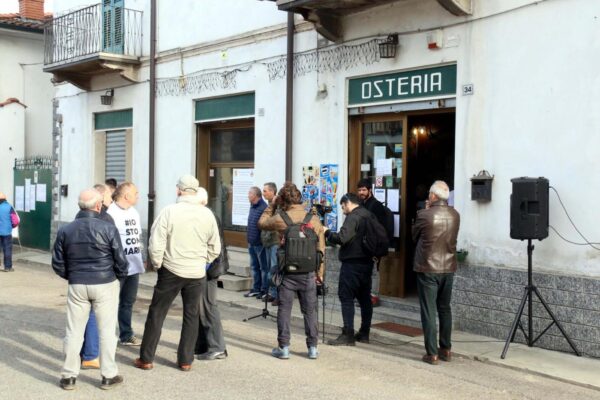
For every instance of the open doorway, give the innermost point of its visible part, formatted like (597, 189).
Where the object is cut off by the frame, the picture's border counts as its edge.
(430, 157)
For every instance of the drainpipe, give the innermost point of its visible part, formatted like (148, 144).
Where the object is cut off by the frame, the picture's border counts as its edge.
(289, 97)
(152, 113)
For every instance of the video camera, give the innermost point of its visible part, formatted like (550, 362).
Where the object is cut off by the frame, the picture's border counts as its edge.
(321, 209)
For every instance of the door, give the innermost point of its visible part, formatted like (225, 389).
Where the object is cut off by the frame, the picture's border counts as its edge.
(115, 165)
(222, 149)
(376, 147)
(112, 26)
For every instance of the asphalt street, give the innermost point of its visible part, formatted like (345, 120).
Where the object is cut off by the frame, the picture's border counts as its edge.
(32, 325)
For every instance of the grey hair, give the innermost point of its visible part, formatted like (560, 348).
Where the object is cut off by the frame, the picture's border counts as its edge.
(202, 195)
(272, 186)
(101, 188)
(440, 189)
(256, 190)
(88, 199)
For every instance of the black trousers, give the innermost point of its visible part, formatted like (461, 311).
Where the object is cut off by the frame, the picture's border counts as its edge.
(305, 287)
(210, 334)
(355, 283)
(435, 294)
(168, 286)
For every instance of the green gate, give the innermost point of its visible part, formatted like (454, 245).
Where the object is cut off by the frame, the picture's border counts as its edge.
(33, 201)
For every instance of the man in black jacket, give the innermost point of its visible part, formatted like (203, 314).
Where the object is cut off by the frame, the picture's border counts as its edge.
(355, 273)
(88, 253)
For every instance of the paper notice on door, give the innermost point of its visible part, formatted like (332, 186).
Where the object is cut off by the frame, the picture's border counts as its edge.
(393, 200)
(243, 180)
(27, 194)
(396, 225)
(32, 197)
(365, 167)
(379, 194)
(384, 167)
(40, 192)
(379, 152)
(20, 198)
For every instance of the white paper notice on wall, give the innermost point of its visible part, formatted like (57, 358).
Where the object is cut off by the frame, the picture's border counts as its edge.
(393, 197)
(379, 194)
(20, 198)
(396, 225)
(365, 167)
(384, 167)
(243, 180)
(27, 194)
(32, 197)
(379, 153)
(211, 173)
(40, 193)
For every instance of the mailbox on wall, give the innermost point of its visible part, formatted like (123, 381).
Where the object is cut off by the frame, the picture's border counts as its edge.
(481, 186)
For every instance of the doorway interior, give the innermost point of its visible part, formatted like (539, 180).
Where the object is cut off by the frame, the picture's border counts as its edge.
(417, 148)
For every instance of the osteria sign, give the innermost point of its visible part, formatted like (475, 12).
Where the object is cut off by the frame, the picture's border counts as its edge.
(401, 86)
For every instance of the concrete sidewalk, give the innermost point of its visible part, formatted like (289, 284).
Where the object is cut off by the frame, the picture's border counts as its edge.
(582, 371)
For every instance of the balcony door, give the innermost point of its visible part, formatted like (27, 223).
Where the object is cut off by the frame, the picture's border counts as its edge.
(112, 26)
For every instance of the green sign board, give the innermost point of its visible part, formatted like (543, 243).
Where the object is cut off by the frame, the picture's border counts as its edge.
(227, 107)
(113, 120)
(405, 85)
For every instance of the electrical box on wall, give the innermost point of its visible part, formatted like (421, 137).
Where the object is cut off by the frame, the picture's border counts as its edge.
(481, 186)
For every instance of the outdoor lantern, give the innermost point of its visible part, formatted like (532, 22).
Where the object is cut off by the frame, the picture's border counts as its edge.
(387, 47)
(106, 98)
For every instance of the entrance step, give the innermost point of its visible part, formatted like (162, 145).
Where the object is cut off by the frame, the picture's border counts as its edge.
(410, 304)
(238, 255)
(237, 270)
(234, 283)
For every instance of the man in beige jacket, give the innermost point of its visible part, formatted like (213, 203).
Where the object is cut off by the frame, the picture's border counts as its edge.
(184, 239)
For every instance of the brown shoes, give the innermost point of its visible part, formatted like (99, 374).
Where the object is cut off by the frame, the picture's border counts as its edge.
(433, 360)
(445, 355)
(90, 364)
(185, 367)
(139, 363)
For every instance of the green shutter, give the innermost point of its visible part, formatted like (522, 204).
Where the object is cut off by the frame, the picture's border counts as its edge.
(229, 107)
(113, 120)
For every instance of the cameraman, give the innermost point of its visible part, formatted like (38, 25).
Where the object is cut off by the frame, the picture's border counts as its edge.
(355, 273)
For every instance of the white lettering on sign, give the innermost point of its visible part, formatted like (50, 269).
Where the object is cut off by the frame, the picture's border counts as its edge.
(403, 86)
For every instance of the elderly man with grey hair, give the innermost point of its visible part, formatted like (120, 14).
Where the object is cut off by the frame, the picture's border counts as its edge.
(88, 253)
(258, 254)
(211, 341)
(183, 239)
(435, 231)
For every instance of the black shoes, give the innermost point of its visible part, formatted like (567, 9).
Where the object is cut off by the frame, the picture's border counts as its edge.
(346, 338)
(362, 337)
(213, 355)
(68, 383)
(109, 383)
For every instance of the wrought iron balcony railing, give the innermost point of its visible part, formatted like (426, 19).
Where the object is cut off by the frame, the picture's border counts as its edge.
(90, 31)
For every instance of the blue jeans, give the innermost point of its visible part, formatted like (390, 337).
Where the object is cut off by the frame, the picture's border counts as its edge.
(259, 267)
(6, 243)
(91, 343)
(272, 267)
(129, 288)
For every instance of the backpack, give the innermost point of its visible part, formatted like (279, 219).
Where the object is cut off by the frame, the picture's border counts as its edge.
(375, 241)
(389, 223)
(14, 218)
(300, 246)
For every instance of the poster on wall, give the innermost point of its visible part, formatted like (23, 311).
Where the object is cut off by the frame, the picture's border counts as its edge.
(329, 185)
(311, 187)
(20, 198)
(27, 194)
(243, 180)
(311, 175)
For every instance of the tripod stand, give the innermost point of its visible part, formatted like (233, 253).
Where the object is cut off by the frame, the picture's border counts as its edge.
(528, 297)
(265, 311)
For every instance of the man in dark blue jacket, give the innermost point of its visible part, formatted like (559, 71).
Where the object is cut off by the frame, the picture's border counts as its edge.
(88, 253)
(258, 256)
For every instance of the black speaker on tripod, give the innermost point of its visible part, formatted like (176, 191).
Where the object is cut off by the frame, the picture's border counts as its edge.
(529, 211)
(529, 208)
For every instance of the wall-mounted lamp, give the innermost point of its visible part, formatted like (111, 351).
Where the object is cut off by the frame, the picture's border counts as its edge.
(387, 47)
(106, 98)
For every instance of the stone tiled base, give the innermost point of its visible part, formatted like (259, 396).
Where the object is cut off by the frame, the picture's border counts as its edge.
(485, 301)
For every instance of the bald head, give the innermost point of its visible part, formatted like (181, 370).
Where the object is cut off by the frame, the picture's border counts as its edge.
(90, 200)
(2, 196)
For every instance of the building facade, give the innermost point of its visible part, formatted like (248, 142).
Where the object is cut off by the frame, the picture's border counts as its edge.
(501, 87)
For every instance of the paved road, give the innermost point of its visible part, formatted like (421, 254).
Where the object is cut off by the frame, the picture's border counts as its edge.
(32, 320)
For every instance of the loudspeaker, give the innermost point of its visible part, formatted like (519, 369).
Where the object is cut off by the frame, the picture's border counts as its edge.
(529, 208)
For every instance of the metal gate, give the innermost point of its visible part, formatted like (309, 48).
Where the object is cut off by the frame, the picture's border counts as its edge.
(33, 200)
(116, 155)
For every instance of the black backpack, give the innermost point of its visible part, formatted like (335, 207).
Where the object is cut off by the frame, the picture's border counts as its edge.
(300, 253)
(375, 241)
(389, 223)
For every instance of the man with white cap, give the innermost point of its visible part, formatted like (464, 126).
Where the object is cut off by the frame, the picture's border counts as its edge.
(184, 238)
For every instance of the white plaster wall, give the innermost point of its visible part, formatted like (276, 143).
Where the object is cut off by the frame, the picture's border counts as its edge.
(533, 112)
(21, 76)
(12, 145)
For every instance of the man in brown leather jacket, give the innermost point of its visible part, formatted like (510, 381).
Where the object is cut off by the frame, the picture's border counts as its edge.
(435, 231)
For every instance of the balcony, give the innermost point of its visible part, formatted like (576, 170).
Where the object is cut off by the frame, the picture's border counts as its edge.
(93, 41)
(325, 14)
